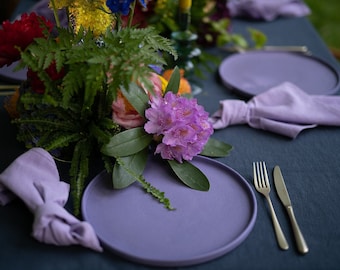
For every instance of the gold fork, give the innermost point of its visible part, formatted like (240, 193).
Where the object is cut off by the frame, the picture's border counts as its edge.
(262, 185)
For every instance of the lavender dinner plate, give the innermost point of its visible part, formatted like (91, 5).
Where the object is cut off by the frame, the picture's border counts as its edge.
(7, 74)
(204, 226)
(254, 72)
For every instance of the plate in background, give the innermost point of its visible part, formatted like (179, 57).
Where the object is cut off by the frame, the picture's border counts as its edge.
(7, 74)
(254, 72)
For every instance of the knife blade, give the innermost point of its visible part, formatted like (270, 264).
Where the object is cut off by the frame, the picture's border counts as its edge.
(284, 197)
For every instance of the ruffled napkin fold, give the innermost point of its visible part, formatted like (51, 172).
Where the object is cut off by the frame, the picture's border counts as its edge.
(34, 178)
(284, 109)
(267, 9)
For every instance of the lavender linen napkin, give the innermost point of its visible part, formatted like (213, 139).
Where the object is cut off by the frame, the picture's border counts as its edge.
(34, 178)
(267, 9)
(284, 109)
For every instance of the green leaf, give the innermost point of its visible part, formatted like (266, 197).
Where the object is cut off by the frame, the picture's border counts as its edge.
(122, 176)
(137, 97)
(216, 148)
(258, 37)
(127, 143)
(190, 175)
(173, 84)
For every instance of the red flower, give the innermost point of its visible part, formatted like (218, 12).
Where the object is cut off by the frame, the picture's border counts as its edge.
(37, 85)
(20, 34)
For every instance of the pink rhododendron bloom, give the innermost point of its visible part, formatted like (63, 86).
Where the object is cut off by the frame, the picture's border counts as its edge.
(124, 114)
(182, 124)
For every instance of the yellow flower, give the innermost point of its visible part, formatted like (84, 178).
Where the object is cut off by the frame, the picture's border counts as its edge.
(90, 14)
(185, 5)
(164, 83)
(160, 4)
(93, 15)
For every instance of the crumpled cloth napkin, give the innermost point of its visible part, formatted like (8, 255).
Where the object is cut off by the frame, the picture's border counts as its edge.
(284, 109)
(267, 9)
(34, 178)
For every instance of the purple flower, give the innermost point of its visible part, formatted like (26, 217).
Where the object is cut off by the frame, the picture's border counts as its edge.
(121, 6)
(181, 123)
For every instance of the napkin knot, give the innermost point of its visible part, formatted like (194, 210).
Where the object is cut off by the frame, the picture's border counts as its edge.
(54, 225)
(34, 178)
(231, 112)
(284, 109)
(267, 9)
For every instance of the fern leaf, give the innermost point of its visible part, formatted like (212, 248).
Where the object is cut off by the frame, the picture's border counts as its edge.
(79, 171)
(51, 141)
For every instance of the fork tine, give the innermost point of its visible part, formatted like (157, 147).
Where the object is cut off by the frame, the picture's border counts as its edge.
(265, 175)
(258, 175)
(263, 183)
(255, 175)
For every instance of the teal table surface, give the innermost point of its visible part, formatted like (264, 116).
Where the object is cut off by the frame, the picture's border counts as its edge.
(310, 163)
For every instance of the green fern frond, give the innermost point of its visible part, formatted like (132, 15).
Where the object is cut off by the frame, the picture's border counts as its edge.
(155, 193)
(93, 85)
(45, 124)
(53, 140)
(72, 84)
(108, 163)
(101, 135)
(79, 171)
(148, 187)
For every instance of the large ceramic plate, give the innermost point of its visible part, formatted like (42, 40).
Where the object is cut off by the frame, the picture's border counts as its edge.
(252, 73)
(7, 74)
(204, 226)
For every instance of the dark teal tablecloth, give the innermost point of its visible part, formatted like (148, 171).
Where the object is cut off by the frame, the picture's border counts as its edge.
(310, 164)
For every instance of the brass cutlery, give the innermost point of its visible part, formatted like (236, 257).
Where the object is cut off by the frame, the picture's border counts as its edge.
(262, 185)
(6, 90)
(284, 197)
(294, 49)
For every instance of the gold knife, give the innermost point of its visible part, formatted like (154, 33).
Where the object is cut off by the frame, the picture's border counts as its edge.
(284, 197)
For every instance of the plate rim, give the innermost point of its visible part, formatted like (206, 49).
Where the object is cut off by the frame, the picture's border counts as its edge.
(199, 258)
(18, 76)
(249, 94)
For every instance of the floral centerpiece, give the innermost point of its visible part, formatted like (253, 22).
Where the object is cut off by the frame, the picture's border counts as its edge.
(92, 88)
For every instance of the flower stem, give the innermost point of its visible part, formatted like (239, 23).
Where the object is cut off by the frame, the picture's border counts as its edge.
(133, 5)
(55, 13)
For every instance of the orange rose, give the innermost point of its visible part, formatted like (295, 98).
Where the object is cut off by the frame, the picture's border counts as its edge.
(124, 114)
(184, 86)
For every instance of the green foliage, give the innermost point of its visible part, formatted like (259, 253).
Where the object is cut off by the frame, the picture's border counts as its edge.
(129, 169)
(325, 18)
(173, 84)
(215, 148)
(190, 175)
(257, 37)
(81, 76)
(135, 163)
(137, 98)
(127, 143)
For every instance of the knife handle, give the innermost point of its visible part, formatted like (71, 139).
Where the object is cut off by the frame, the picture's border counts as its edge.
(300, 240)
(280, 237)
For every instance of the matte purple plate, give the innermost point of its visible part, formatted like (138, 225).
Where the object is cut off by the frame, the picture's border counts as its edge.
(254, 72)
(7, 74)
(204, 226)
